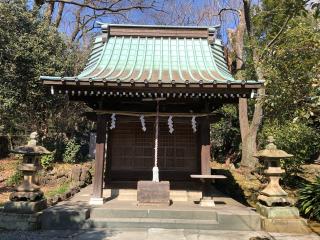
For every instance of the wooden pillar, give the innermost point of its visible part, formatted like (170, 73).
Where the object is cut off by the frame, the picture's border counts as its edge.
(205, 146)
(96, 197)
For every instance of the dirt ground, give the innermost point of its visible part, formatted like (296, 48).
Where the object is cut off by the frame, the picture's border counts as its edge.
(8, 167)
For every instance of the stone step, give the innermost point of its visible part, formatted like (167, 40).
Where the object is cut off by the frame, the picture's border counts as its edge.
(80, 216)
(243, 220)
(97, 213)
(64, 217)
(115, 223)
(131, 194)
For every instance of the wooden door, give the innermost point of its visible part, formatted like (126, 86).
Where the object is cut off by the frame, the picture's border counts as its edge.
(131, 152)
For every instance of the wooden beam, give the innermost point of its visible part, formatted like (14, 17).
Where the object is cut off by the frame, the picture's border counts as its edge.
(205, 146)
(100, 157)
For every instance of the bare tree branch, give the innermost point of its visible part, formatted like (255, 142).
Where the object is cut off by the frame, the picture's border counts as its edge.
(280, 31)
(49, 11)
(59, 14)
(93, 6)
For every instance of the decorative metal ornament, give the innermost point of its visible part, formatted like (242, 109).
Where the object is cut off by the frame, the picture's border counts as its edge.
(170, 124)
(143, 123)
(113, 121)
(194, 124)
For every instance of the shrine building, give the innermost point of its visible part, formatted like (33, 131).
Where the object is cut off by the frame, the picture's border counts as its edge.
(152, 91)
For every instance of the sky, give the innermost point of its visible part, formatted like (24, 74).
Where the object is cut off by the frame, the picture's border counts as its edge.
(176, 13)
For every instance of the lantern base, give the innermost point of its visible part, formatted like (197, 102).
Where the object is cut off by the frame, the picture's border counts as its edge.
(26, 196)
(278, 212)
(271, 201)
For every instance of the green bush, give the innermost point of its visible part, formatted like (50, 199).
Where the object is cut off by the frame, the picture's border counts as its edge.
(47, 160)
(72, 153)
(57, 144)
(309, 199)
(14, 179)
(296, 138)
(64, 187)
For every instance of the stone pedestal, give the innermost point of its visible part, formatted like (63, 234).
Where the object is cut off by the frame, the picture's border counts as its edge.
(207, 188)
(207, 196)
(25, 207)
(155, 193)
(278, 212)
(282, 219)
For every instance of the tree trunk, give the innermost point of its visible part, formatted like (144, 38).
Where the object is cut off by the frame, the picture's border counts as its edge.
(249, 131)
(247, 136)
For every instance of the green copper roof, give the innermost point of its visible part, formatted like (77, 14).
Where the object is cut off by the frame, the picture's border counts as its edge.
(152, 59)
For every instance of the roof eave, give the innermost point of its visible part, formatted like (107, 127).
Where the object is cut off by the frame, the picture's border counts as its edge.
(73, 81)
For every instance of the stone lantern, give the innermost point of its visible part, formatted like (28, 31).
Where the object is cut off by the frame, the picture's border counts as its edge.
(27, 197)
(273, 194)
(276, 208)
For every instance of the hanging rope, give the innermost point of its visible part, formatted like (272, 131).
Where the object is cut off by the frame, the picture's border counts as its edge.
(155, 170)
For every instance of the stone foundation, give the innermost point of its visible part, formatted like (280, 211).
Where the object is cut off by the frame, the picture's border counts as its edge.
(25, 207)
(18, 221)
(278, 212)
(282, 219)
(295, 225)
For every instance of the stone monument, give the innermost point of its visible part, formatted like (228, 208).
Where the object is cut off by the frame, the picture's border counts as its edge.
(277, 210)
(27, 197)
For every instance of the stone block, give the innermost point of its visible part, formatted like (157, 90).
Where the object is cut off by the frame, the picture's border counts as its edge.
(278, 212)
(294, 225)
(25, 207)
(150, 192)
(64, 217)
(18, 221)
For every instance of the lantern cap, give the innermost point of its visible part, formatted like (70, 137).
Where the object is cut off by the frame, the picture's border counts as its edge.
(31, 148)
(271, 151)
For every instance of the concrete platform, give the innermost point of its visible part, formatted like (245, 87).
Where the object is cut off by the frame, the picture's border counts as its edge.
(116, 213)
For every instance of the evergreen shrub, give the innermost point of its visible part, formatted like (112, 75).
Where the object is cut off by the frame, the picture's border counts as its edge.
(309, 199)
(72, 153)
(295, 138)
(47, 160)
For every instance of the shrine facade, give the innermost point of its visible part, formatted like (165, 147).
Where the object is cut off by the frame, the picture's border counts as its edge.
(152, 91)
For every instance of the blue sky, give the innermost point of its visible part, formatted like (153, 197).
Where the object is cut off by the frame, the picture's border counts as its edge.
(192, 8)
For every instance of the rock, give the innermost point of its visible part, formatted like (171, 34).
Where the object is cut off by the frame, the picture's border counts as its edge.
(59, 198)
(75, 190)
(65, 196)
(86, 176)
(76, 173)
(52, 172)
(82, 184)
(62, 180)
(55, 200)
(61, 174)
